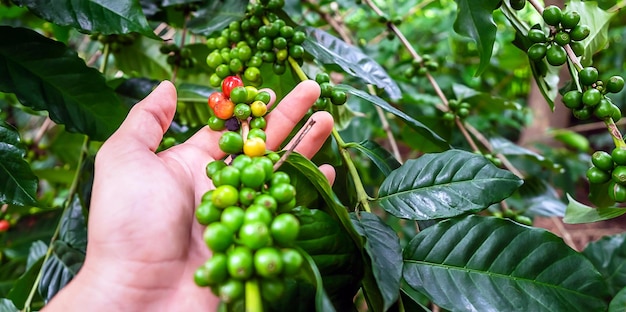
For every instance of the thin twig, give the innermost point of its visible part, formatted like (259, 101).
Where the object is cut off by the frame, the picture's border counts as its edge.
(293, 146)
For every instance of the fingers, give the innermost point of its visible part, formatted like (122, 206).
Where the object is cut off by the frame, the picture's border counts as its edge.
(317, 135)
(147, 121)
(329, 172)
(288, 113)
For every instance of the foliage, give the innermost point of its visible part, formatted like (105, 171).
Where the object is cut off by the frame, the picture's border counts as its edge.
(434, 196)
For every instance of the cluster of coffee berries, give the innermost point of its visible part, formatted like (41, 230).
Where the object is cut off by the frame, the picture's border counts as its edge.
(565, 28)
(260, 38)
(177, 56)
(116, 41)
(457, 108)
(592, 100)
(610, 168)
(250, 226)
(235, 104)
(427, 64)
(328, 93)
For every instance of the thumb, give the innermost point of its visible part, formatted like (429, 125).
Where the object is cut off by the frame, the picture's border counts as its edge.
(147, 121)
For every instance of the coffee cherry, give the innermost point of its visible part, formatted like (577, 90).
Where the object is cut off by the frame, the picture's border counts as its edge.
(285, 229)
(216, 124)
(537, 51)
(591, 97)
(253, 176)
(615, 84)
(272, 289)
(292, 261)
(230, 83)
(536, 35)
(619, 156)
(562, 38)
(604, 109)
(207, 213)
(254, 147)
(268, 262)
(556, 55)
(218, 237)
(582, 113)
(231, 142)
(242, 111)
(588, 76)
(602, 160)
(580, 32)
(517, 4)
(213, 167)
(617, 192)
(240, 263)
(255, 235)
(570, 19)
(552, 15)
(573, 99)
(597, 176)
(619, 174)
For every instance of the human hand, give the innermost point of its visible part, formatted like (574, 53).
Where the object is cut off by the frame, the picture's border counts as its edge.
(144, 243)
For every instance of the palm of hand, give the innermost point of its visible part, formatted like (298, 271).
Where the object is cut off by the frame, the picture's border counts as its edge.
(142, 232)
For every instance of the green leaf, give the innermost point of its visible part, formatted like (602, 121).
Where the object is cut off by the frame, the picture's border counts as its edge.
(334, 207)
(540, 198)
(60, 268)
(618, 303)
(45, 74)
(547, 79)
(37, 250)
(20, 291)
(7, 305)
(93, 16)
(444, 185)
(579, 213)
(143, 59)
(382, 246)
(608, 256)
(328, 49)
(419, 127)
(133, 90)
(384, 160)
(18, 184)
(474, 20)
(335, 254)
(322, 302)
(73, 229)
(216, 16)
(490, 264)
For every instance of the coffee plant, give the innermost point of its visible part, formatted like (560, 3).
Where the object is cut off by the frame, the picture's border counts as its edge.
(436, 188)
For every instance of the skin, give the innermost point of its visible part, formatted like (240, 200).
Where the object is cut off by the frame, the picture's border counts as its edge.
(144, 244)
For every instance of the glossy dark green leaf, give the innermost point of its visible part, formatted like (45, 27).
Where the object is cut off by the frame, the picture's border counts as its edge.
(382, 246)
(93, 16)
(73, 229)
(133, 90)
(419, 127)
(334, 207)
(322, 302)
(216, 15)
(329, 49)
(21, 289)
(18, 184)
(490, 264)
(577, 212)
(380, 156)
(60, 268)
(335, 254)
(37, 250)
(475, 21)
(45, 74)
(540, 198)
(609, 255)
(618, 303)
(7, 305)
(444, 185)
